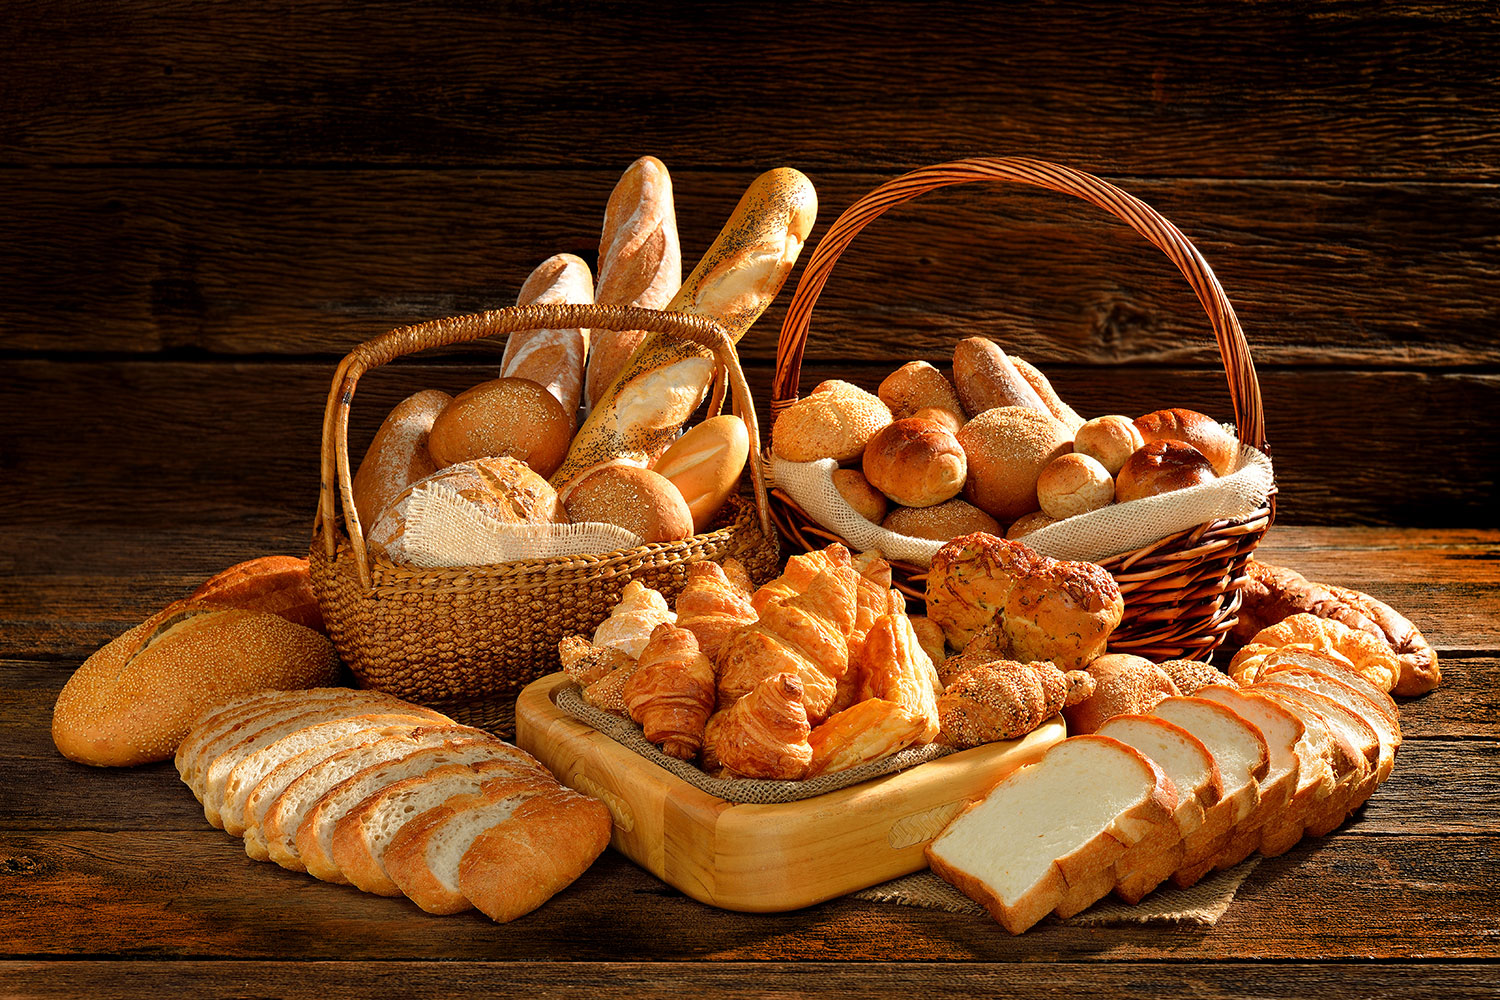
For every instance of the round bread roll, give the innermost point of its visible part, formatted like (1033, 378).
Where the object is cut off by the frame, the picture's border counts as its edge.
(398, 456)
(1109, 440)
(836, 421)
(705, 465)
(1122, 684)
(941, 521)
(135, 699)
(1028, 523)
(915, 463)
(505, 488)
(1008, 447)
(917, 385)
(835, 385)
(1197, 429)
(1074, 484)
(505, 416)
(868, 502)
(637, 500)
(946, 419)
(1161, 467)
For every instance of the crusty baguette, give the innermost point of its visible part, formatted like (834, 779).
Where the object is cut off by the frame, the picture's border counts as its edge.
(553, 359)
(398, 455)
(665, 379)
(640, 263)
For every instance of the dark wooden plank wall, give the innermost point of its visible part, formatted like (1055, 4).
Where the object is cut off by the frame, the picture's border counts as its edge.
(203, 208)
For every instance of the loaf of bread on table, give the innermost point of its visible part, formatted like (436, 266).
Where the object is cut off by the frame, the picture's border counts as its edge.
(638, 416)
(279, 585)
(553, 359)
(640, 263)
(134, 700)
(398, 456)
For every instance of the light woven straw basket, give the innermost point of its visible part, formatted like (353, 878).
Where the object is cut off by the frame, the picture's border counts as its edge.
(466, 637)
(1180, 592)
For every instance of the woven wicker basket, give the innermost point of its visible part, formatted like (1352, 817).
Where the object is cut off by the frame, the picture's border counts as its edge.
(464, 636)
(1180, 596)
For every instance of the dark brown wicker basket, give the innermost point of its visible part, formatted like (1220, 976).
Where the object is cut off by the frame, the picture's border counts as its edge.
(464, 634)
(1180, 592)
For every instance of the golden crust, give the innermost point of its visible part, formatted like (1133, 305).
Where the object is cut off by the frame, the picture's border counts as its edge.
(1371, 657)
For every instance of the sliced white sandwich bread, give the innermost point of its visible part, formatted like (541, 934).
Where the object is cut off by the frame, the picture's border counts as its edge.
(1191, 768)
(284, 816)
(1240, 753)
(1353, 727)
(364, 832)
(244, 776)
(1349, 766)
(1388, 731)
(1330, 664)
(1057, 823)
(314, 838)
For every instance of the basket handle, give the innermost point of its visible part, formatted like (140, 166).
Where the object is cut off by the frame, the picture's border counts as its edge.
(336, 477)
(1244, 389)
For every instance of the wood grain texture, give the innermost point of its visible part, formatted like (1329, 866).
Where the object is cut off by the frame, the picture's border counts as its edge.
(1343, 89)
(64, 980)
(304, 262)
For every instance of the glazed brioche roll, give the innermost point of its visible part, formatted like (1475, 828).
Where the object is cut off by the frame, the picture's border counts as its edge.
(553, 359)
(666, 378)
(640, 263)
(1197, 429)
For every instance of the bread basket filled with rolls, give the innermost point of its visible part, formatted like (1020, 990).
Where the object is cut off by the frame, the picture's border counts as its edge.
(481, 529)
(1171, 503)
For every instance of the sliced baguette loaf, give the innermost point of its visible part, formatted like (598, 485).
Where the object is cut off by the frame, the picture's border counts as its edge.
(1057, 823)
(220, 719)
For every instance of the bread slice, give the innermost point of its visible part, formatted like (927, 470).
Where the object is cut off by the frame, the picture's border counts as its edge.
(1353, 727)
(244, 776)
(273, 784)
(1286, 744)
(1349, 765)
(1190, 766)
(314, 837)
(1387, 731)
(284, 817)
(1330, 665)
(1240, 752)
(364, 832)
(1057, 823)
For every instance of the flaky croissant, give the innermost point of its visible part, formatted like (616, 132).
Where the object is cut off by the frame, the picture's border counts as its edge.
(799, 573)
(671, 693)
(763, 735)
(628, 627)
(868, 731)
(892, 666)
(1003, 700)
(1370, 656)
(712, 607)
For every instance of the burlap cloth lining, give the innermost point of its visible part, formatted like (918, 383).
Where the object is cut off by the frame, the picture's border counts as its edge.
(1093, 537)
(1203, 904)
(445, 529)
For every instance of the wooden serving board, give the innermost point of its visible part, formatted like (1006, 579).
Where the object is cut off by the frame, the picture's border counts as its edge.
(764, 858)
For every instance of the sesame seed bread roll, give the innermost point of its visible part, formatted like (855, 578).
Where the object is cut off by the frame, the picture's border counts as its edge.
(640, 263)
(134, 700)
(638, 500)
(916, 386)
(398, 455)
(1008, 447)
(553, 359)
(665, 379)
(836, 420)
(940, 522)
(505, 416)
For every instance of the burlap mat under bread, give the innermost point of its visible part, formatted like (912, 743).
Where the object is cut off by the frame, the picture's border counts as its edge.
(1203, 904)
(629, 735)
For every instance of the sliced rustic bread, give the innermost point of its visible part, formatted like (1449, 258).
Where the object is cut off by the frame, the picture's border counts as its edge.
(284, 817)
(1057, 823)
(1350, 767)
(362, 834)
(1239, 750)
(1191, 768)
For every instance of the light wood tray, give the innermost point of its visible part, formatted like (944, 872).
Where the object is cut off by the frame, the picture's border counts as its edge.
(764, 858)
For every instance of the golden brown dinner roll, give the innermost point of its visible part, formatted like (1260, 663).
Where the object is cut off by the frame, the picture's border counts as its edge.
(398, 456)
(915, 463)
(941, 521)
(637, 500)
(1074, 484)
(868, 502)
(917, 385)
(1197, 429)
(705, 464)
(135, 699)
(985, 378)
(835, 421)
(1161, 467)
(1008, 447)
(1123, 684)
(1028, 523)
(505, 416)
(1109, 440)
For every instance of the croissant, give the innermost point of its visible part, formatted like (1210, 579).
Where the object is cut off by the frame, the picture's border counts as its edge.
(800, 572)
(1004, 699)
(892, 666)
(870, 730)
(629, 625)
(585, 662)
(671, 693)
(764, 734)
(738, 577)
(803, 635)
(712, 607)
(873, 595)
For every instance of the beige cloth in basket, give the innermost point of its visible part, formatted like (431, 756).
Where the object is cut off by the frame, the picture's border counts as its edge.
(1092, 537)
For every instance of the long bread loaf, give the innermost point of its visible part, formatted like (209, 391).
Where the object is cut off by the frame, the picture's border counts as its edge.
(553, 359)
